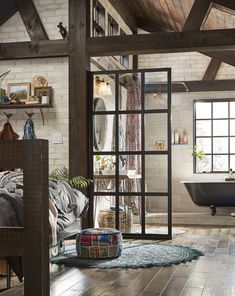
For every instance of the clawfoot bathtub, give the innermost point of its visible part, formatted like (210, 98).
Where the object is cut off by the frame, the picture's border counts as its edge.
(211, 194)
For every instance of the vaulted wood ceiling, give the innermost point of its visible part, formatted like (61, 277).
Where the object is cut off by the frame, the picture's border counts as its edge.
(172, 15)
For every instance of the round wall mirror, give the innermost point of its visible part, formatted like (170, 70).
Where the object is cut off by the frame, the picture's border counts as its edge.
(100, 124)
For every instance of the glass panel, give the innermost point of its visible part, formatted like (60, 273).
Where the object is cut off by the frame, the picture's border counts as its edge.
(232, 162)
(203, 165)
(104, 91)
(104, 132)
(130, 132)
(232, 127)
(155, 132)
(130, 91)
(104, 211)
(156, 90)
(130, 173)
(203, 128)
(220, 145)
(203, 110)
(220, 127)
(232, 109)
(156, 215)
(204, 144)
(220, 110)
(220, 163)
(156, 173)
(130, 214)
(104, 173)
(232, 145)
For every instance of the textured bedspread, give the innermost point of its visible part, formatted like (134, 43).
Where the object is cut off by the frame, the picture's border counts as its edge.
(65, 205)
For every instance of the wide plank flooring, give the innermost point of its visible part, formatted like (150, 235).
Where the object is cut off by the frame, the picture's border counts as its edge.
(213, 274)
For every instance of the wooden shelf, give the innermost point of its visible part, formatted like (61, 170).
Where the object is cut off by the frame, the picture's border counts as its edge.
(25, 106)
(181, 144)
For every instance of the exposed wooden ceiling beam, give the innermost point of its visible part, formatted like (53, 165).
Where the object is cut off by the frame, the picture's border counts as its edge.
(150, 26)
(7, 10)
(212, 69)
(126, 13)
(198, 15)
(212, 40)
(195, 21)
(32, 20)
(30, 50)
(227, 6)
(193, 86)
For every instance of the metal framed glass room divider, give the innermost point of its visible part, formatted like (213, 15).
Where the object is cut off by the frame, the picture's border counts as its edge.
(130, 152)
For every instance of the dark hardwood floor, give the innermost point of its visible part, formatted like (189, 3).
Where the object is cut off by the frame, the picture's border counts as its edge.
(213, 274)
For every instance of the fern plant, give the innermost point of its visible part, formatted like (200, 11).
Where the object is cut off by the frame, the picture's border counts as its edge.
(200, 154)
(75, 182)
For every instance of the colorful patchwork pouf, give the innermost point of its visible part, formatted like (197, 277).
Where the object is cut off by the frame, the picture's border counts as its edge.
(99, 243)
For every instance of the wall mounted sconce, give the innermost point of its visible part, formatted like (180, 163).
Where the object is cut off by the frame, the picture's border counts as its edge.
(102, 88)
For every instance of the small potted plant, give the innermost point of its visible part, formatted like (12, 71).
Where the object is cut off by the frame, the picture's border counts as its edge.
(2, 76)
(200, 155)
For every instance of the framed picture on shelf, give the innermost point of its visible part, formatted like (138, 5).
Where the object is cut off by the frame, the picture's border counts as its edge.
(44, 94)
(19, 92)
(160, 145)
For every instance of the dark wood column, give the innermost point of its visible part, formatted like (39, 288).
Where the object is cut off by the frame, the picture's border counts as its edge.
(79, 63)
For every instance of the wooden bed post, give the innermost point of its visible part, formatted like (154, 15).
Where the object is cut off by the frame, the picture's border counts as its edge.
(36, 218)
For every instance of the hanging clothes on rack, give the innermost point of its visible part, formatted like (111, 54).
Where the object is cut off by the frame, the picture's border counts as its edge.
(7, 133)
(29, 133)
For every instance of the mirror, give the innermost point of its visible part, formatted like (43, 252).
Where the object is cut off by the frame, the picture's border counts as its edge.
(100, 125)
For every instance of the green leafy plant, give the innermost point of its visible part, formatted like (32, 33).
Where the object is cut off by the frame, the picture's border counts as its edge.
(2, 76)
(75, 182)
(200, 154)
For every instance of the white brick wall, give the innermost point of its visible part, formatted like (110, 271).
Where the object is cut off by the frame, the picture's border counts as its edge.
(54, 69)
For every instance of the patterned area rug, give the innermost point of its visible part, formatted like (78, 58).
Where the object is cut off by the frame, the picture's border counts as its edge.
(134, 255)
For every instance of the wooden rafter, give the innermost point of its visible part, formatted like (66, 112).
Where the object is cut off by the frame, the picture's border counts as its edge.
(150, 26)
(30, 49)
(32, 21)
(212, 40)
(227, 6)
(125, 12)
(195, 21)
(212, 69)
(198, 15)
(193, 86)
(7, 10)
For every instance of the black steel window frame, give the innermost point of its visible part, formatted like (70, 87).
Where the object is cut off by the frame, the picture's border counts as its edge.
(117, 193)
(211, 137)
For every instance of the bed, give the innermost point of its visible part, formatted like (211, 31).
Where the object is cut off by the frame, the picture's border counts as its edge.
(26, 233)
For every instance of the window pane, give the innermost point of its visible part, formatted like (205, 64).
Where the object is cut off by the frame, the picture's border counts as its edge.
(220, 127)
(130, 91)
(232, 162)
(232, 127)
(220, 162)
(104, 215)
(220, 145)
(220, 110)
(232, 146)
(104, 132)
(155, 131)
(203, 110)
(204, 144)
(203, 128)
(156, 173)
(232, 109)
(203, 165)
(156, 90)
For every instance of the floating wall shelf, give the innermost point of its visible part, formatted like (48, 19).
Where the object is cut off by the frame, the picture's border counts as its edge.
(25, 106)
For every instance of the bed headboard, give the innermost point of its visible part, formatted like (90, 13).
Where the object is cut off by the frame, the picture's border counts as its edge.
(32, 241)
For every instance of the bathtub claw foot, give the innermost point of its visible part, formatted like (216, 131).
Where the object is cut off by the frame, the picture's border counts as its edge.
(213, 210)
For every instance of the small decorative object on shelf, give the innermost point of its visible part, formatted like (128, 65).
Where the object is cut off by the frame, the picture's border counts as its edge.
(179, 138)
(44, 94)
(160, 145)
